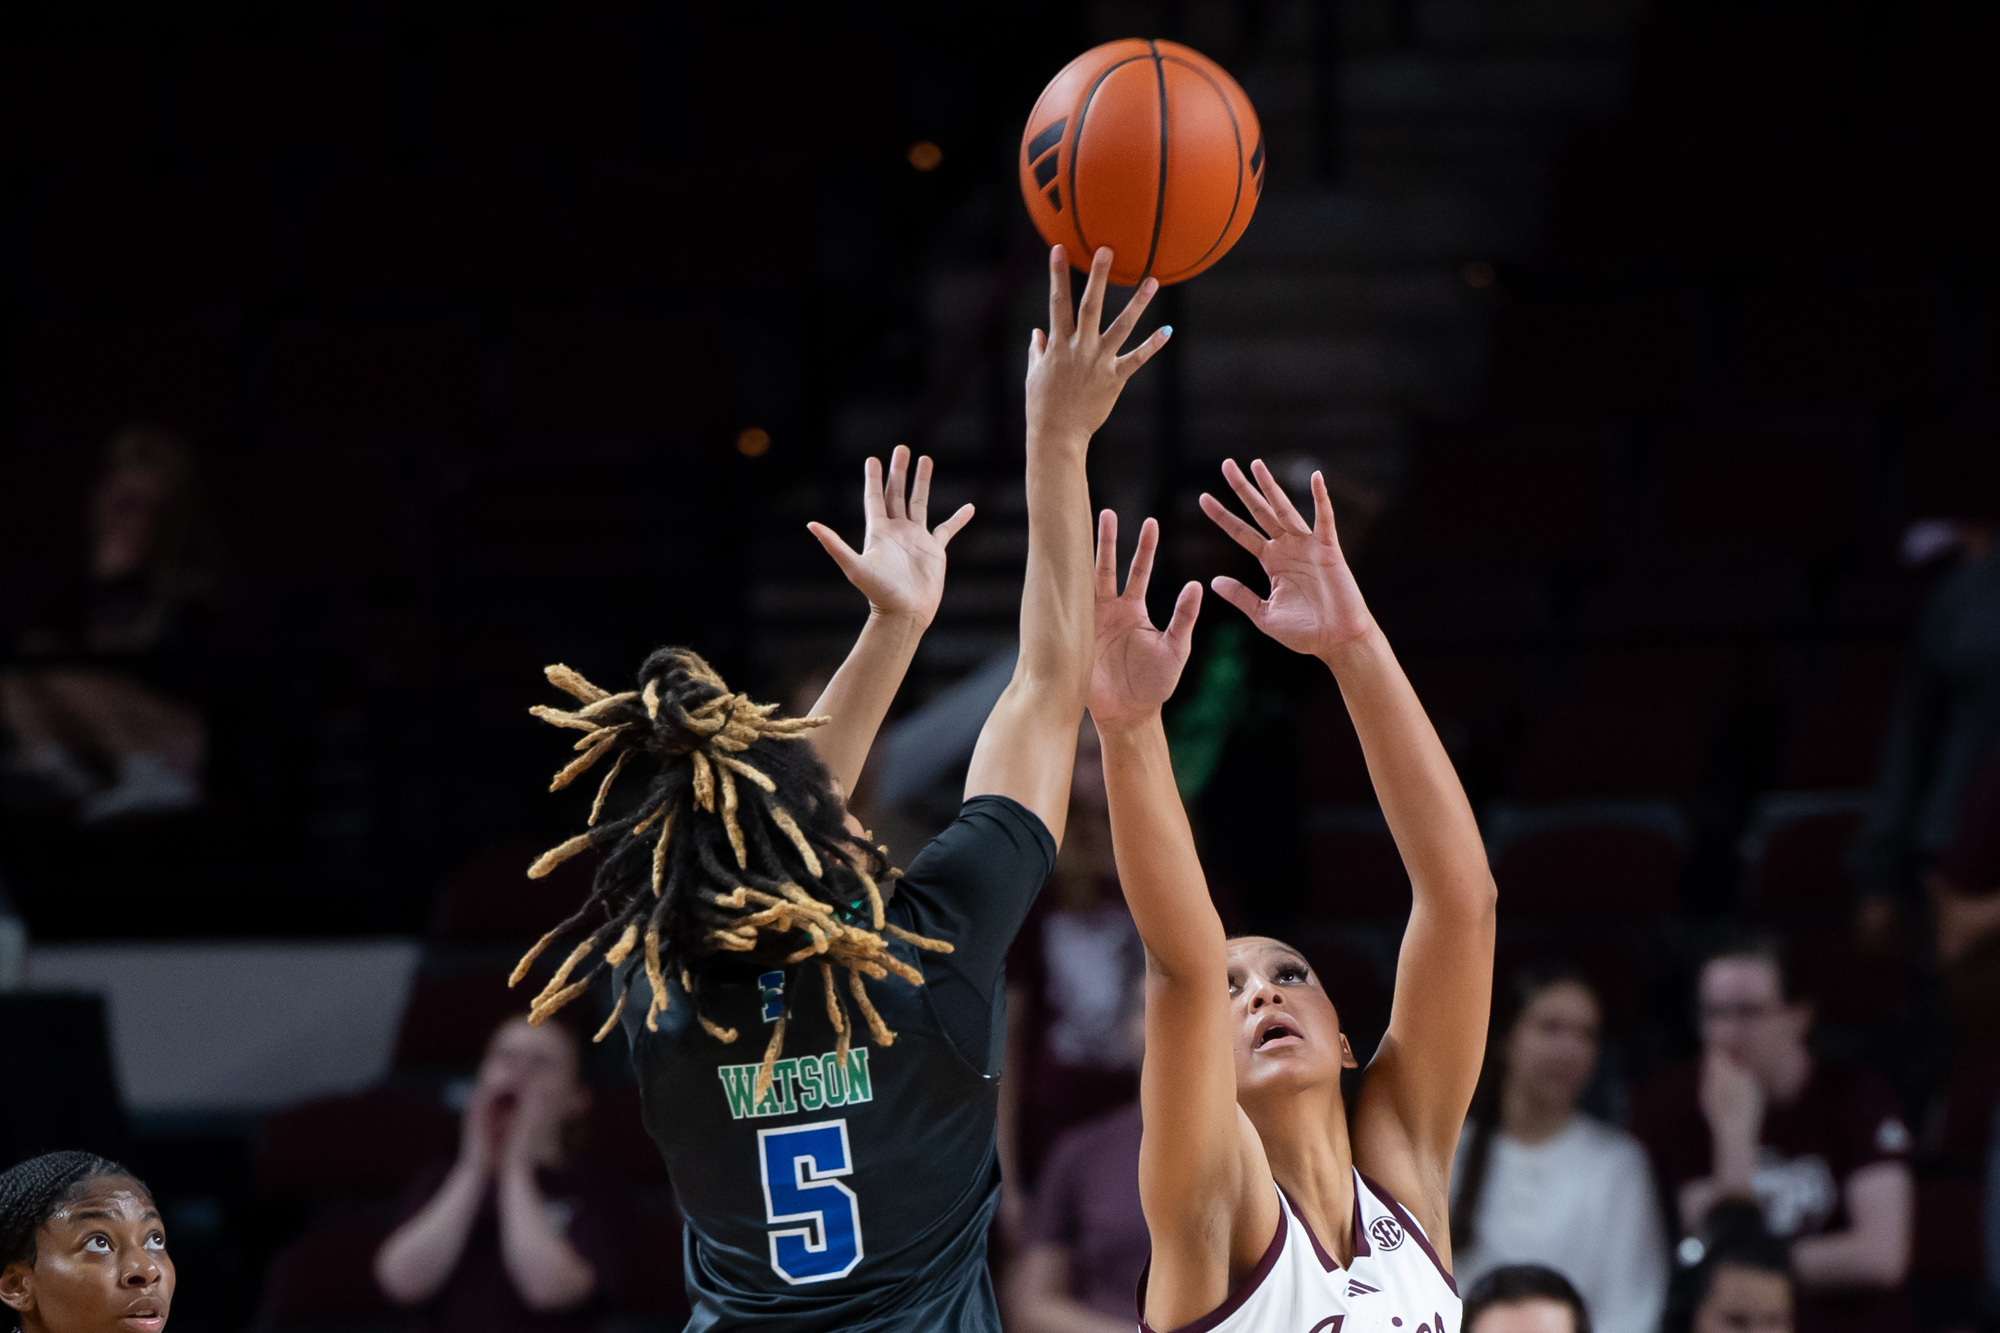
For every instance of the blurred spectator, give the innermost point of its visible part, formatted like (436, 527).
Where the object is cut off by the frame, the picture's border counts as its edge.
(1735, 1278)
(1820, 1146)
(1068, 974)
(99, 708)
(1085, 1240)
(1524, 1298)
(1538, 1182)
(1945, 726)
(510, 1235)
(1965, 904)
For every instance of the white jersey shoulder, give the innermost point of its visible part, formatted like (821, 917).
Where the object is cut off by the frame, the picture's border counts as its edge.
(1394, 1285)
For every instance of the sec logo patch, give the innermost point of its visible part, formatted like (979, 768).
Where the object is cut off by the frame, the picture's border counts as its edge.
(1386, 1232)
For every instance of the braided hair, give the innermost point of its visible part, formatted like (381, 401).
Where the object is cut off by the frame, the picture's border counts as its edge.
(737, 845)
(33, 1191)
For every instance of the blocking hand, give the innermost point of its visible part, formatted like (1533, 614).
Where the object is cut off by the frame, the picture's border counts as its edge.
(1074, 371)
(1315, 606)
(1137, 666)
(900, 567)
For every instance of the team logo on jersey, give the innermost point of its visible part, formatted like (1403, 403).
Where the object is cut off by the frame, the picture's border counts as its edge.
(771, 991)
(1386, 1232)
(801, 1083)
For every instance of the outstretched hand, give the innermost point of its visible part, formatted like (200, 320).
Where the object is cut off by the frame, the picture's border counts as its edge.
(900, 567)
(1315, 605)
(1074, 371)
(1137, 666)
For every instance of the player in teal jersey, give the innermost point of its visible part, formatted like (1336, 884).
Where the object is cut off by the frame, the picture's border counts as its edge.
(818, 1038)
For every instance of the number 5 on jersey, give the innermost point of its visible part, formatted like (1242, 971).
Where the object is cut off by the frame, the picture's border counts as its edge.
(800, 1165)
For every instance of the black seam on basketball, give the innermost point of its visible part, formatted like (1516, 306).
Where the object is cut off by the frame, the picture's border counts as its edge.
(1075, 142)
(1160, 199)
(1047, 139)
(1236, 132)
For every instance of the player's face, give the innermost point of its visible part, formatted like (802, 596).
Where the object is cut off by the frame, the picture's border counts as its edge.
(1287, 1032)
(101, 1265)
(1745, 1300)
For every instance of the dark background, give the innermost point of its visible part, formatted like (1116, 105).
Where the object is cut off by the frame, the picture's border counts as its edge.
(1654, 326)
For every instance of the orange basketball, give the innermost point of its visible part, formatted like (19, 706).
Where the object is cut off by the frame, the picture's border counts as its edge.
(1149, 148)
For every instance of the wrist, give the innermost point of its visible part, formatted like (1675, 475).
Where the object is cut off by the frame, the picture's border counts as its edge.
(899, 620)
(1127, 726)
(1351, 653)
(1057, 439)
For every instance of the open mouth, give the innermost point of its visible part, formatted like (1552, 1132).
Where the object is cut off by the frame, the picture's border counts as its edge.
(146, 1318)
(1275, 1032)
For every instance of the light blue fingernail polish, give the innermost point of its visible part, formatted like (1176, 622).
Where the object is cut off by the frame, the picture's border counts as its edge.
(1166, 330)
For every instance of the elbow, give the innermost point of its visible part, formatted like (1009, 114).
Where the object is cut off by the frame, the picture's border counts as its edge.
(396, 1286)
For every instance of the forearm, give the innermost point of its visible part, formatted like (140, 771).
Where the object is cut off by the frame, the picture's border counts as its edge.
(859, 695)
(547, 1272)
(418, 1258)
(1057, 596)
(1850, 1258)
(1155, 852)
(1421, 798)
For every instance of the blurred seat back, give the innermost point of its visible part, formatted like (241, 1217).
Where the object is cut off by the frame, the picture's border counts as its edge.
(369, 1143)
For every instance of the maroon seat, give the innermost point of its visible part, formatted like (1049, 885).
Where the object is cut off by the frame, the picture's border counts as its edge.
(1614, 746)
(490, 899)
(366, 1143)
(1617, 971)
(1796, 862)
(1353, 870)
(1585, 863)
(1834, 729)
(450, 1016)
(1852, 984)
(325, 1278)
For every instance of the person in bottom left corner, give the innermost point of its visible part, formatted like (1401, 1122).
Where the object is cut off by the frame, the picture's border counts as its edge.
(82, 1248)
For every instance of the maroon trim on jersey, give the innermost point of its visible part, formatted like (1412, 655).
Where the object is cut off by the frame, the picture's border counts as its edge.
(1244, 1290)
(1409, 1224)
(1327, 1261)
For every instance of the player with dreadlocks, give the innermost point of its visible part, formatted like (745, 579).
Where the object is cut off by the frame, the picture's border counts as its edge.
(82, 1249)
(831, 1139)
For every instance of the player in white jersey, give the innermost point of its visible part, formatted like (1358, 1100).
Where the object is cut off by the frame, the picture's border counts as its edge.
(1266, 1215)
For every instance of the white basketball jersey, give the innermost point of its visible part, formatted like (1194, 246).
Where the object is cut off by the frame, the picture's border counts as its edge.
(1394, 1285)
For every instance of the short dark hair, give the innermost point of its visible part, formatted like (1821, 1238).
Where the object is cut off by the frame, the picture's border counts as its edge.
(1523, 1282)
(33, 1191)
(1732, 1235)
(1765, 946)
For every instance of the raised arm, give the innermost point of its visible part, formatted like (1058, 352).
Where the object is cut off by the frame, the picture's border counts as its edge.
(1203, 1179)
(900, 569)
(1075, 375)
(1415, 1095)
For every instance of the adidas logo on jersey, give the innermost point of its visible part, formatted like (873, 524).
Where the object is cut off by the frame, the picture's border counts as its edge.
(1360, 1288)
(803, 1083)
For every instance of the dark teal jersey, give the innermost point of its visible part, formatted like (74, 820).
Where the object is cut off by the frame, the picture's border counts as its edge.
(853, 1198)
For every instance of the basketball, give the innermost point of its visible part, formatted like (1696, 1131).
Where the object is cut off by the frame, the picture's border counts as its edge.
(1148, 147)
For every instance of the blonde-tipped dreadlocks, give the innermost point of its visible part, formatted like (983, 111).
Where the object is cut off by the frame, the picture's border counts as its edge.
(738, 845)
